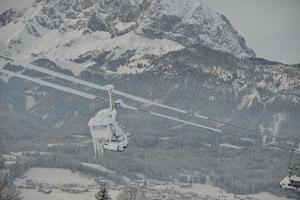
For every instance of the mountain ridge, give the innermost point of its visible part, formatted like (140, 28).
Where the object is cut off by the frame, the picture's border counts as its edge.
(117, 24)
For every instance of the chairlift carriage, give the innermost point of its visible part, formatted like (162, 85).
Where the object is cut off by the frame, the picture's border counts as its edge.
(295, 175)
(292, 180)
(107, 133)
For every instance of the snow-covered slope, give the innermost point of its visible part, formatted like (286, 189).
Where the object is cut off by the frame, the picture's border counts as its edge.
(117, 36)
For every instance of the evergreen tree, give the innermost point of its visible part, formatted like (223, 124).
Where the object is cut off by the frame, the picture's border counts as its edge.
(103, 194)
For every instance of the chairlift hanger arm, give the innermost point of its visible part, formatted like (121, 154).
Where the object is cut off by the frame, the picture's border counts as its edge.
(51, 85)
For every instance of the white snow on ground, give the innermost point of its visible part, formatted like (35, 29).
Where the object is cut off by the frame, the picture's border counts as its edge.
(290, 143)
(14, 156)
(185, 8)
(29, 194)
(231, 146)
(144, 45)
(16, 31)
(80, 136)
(129, 70)
(268, 196)
(54, 176)
(54, 145)
(57, 176)
(4, 77)
(62, 144)
(30, 102)
(96, 166)
(121, 26)
(196, 188)
(8, 163)
(59, 124)
(249, 99)
(45, 116)
(208, 190)
(62, 48)
(74, 67)
(246, 139)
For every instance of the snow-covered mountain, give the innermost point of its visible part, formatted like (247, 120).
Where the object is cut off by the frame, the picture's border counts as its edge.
(75, 33)
(177, 52)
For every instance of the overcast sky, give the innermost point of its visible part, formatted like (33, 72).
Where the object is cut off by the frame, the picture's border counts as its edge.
(270, 27)
(19, 4)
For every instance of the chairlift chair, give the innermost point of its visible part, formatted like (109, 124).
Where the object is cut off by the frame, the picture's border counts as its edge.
(292, 180)
(106, 132)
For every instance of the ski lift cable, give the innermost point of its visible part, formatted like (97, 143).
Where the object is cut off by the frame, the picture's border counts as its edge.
(93, 97)
(135, 98)
(123, 105)
(51, 85)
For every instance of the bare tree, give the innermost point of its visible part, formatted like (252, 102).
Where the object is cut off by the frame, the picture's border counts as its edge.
(131, 193)
(7, 190)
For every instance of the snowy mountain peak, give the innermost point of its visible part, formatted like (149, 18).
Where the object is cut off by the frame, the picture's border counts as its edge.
(193, 19)
(118, 36)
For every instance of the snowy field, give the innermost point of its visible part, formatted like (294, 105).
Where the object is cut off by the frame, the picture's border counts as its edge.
(217, 193)
(29, 194)
(57, 177)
